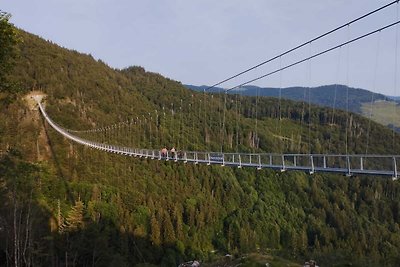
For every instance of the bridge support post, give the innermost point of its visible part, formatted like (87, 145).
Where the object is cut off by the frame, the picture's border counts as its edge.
(324, 162)
(223, 160)
(348, 174)
(361, 163)
(394, 169)
(295, 161)
(185, 157)
(312, 165)
(283, 164)
(259, 162)
(270, 160)
(209, 159)
(240, 162)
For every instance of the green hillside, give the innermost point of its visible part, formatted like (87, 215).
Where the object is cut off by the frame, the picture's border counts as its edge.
(64, 204)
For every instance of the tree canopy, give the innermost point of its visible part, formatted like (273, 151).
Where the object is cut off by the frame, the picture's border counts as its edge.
(8, 41)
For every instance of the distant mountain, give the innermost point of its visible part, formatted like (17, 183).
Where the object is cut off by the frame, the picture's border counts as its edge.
(395, 98)
(334, 95)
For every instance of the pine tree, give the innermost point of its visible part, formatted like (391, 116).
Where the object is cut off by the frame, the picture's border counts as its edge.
(74, 220)
(155, 231)
(8, 40)
(168, 233)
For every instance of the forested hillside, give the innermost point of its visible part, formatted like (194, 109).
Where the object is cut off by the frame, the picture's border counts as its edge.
(66, 204)
(369, 104)
(333, 96)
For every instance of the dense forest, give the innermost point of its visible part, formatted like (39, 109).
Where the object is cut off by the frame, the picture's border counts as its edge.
(67, 205)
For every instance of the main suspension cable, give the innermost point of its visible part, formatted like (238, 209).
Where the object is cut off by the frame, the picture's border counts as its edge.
(314, 56)
(302, 45)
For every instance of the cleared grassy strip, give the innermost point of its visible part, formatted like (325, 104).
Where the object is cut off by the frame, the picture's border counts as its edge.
(383, 112)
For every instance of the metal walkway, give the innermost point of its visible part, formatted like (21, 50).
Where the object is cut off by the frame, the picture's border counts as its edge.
(381, 165)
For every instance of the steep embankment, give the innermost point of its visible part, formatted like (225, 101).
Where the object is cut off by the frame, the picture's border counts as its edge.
(109, 210)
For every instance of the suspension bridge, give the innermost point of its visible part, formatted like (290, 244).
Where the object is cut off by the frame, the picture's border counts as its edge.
(346, 164)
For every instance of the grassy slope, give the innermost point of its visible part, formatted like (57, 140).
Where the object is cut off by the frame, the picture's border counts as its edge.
(383, 112)
(194, 209)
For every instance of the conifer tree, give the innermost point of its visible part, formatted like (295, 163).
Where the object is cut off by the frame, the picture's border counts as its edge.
(74, 220)
(155, 231)
(8, 40)
(168, 233)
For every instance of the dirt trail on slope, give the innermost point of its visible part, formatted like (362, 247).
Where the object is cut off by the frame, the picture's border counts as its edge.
(33, 116)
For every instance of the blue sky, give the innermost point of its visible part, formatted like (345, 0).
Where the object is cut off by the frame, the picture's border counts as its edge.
(203, 42)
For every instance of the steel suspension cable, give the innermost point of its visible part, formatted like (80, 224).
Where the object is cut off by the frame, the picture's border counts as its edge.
(220, 111)
(223, 123)
(372, 92)
(395, 80)
(348, 126)
(314, 56)
(205, 118)
(144, 130)
(172, 125)
(303, 44)
(302, 119)
(198, 137)
(237, 123)
(334, 100)
(189, 131)
(255, 137)
(211, 125)
(150, 132)
(193, 118)
(280, 107)
(309, 103)
(180, 134)
(158, 142)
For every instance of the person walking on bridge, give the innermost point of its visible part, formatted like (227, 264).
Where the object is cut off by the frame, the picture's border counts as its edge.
(173, 151)
(164, 152)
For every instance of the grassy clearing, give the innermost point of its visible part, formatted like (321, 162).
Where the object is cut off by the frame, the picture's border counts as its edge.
(383, 112)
